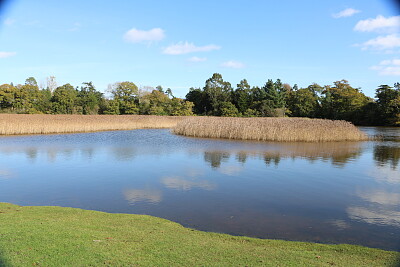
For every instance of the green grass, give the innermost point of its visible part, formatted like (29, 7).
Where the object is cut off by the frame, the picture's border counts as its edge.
(55, 236)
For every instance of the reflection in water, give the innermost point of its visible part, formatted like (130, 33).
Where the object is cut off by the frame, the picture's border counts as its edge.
(179, 183)
(385, 174)
(387, 155)
(6, 174)
(322, 192)
(340, 224)
(381, 197)
(339, 153)
(151, 196)
(374, 215)
(230, 169)
(216, 157)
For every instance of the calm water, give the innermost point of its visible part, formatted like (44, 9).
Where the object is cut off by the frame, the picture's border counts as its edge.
(329, 193)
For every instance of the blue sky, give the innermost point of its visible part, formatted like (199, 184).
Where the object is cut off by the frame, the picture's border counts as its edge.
(180, 44)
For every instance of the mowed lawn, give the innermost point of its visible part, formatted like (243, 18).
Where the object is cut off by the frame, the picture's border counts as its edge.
(56, 236)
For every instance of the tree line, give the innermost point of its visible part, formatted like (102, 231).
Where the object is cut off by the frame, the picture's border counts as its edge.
(339, 101)
(126, 98)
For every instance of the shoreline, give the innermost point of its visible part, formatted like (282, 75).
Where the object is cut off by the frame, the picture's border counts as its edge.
(49, 235)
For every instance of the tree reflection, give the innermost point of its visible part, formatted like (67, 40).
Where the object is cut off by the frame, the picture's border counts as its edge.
(216, 157)
(339, 153)
(387, 155)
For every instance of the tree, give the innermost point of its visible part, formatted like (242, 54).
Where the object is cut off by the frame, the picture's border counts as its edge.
(31, 81)
(217, 92)
(343, 102)
(126, 94)
(89, 98)
(303, 103)
(64, 99)
(199, 99)
(51, 83)
(242, 96)
(388, 104)
(275, 93)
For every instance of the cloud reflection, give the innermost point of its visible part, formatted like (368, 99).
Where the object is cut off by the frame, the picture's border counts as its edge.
(6, 174)
(374, 215)
(143, 195)
(179, 183)
(381, 197)
(385, 174)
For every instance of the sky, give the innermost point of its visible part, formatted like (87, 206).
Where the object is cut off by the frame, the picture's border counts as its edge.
(179, 44)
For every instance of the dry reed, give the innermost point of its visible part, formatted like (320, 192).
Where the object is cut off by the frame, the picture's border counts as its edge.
(15, 124)
(270, 129)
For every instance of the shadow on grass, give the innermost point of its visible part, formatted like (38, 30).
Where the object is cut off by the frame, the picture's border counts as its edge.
(3, 261)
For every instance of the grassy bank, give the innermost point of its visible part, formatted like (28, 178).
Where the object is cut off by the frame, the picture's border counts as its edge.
(270, 129)
(54, 236)
(11, 124)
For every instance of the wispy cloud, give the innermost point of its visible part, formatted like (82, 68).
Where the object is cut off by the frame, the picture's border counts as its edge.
(7, 54)
(390, 67)
(186, 48)
(380, 23)
(348, 12)
(197, 59)
(75, 27)
(382, 43)
(141, 36)
(233, 64)
(9, 21)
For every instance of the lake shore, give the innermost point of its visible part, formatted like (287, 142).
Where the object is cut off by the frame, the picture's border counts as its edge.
(55, 236)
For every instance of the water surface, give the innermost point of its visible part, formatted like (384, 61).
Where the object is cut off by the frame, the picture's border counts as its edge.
(321, 192)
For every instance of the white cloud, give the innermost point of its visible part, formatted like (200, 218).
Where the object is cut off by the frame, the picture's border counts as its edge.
(140, 36)
(186, 48)
(382, 42)
(389, 67)
(380, 23)
(233, 64)
(7, 54)
(9, 21)
(197, 59)
(348, 12)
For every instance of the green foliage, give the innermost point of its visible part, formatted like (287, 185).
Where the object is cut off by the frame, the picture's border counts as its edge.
(275, 93)
(303, 103)
(199, 99)
(89, 99)
(242, 97)
(217, 91)
(342, 102)
(64, 99)
(339, 101)
(388, 104)
(229, 110)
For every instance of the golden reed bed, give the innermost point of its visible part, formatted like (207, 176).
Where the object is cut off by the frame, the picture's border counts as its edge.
(270, 129)
(13, 124)
(261, 129)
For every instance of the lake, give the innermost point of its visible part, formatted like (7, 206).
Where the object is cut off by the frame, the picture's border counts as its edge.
(318, 192)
